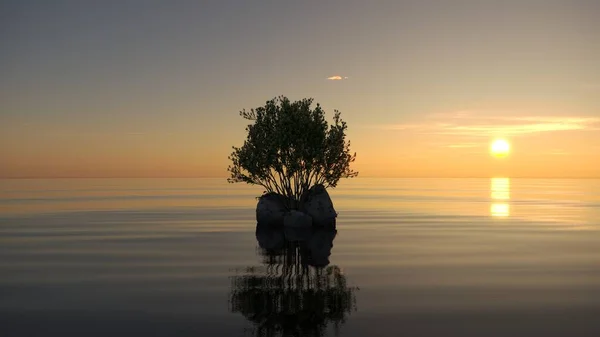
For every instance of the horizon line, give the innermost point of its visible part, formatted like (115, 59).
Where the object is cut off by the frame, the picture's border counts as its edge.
(359, 177)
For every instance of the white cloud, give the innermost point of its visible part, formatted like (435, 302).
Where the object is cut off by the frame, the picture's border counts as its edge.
(467, 125)
(464, 145)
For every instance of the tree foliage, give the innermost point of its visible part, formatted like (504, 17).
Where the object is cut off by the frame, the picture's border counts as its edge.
(290, 147)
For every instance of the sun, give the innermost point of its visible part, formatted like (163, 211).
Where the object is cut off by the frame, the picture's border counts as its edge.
(500, 148)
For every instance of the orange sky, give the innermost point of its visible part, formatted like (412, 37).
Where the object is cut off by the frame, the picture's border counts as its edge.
(437, 145)
(92, 90)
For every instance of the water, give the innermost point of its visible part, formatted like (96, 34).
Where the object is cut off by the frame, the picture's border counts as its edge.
(411, 257)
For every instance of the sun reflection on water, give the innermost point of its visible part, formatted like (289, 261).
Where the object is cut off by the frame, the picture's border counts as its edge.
(500, 194)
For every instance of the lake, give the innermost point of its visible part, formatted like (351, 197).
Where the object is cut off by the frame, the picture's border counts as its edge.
(408, 257)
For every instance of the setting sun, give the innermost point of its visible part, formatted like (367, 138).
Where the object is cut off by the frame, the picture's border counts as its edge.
(500, 148)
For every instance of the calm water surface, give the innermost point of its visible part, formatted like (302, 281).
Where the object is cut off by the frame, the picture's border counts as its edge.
(410, 257)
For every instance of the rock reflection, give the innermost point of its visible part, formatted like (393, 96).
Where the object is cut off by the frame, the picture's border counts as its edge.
(296, 292)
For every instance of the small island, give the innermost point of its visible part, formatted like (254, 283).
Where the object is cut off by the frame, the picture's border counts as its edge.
(295, 155)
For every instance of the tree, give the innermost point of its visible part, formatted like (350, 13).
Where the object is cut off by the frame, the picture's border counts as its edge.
(290, 148)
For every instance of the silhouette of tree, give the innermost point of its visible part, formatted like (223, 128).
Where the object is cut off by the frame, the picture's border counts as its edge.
(291, 295)
(290, 147)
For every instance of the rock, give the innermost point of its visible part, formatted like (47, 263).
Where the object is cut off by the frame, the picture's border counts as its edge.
(317, 203)
(271, 209)
(297, 226)
(269, 238)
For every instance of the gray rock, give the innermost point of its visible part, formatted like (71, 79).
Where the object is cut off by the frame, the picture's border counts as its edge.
(317, 203)
(297, 226)
(270, 238)
(271, 209)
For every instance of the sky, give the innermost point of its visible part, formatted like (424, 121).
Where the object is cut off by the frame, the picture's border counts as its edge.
(154, 88)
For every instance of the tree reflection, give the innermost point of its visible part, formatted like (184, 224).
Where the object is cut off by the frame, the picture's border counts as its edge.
(295, 292)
